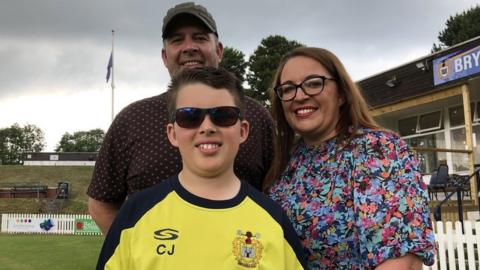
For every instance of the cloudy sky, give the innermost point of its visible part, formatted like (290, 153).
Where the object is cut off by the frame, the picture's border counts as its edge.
(54, 53)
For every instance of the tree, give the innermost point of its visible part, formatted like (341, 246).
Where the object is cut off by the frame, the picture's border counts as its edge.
(16, 140)
(263, 64)
(81, 141)
(459, 28)
(234, 61)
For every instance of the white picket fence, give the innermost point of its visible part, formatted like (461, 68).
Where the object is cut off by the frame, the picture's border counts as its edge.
(457, 250)
(49, 224)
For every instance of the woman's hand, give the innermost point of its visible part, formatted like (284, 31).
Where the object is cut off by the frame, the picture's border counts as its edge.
(407, 262)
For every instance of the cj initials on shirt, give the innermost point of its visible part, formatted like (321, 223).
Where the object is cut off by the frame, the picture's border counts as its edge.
(166, 235)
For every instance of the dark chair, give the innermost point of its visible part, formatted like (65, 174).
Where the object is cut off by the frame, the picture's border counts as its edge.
(438, 181)
(463, 182)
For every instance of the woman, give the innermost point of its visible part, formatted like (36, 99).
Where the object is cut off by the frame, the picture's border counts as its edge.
(351, 189)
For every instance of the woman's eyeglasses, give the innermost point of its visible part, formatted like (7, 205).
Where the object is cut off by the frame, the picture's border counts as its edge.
(311, 86)
(190, 117)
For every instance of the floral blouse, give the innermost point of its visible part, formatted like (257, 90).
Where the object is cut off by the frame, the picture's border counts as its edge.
(355, 207)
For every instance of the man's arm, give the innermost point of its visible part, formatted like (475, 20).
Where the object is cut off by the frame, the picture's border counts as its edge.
(407, 262)
(103, 213)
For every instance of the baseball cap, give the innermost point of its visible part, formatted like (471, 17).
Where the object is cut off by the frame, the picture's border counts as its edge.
(189, 8)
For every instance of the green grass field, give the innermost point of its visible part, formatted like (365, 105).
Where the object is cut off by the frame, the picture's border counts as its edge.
(78, 176)
(52, 252)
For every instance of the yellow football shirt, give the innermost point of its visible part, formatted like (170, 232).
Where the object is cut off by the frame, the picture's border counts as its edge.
(166, 227)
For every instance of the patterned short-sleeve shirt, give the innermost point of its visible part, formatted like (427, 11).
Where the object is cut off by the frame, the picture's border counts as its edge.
(357, 206)
(136, 152)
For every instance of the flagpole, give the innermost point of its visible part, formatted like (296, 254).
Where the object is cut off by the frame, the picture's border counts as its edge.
(113, 76)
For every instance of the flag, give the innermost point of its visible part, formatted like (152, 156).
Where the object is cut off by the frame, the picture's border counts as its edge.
(110, 66)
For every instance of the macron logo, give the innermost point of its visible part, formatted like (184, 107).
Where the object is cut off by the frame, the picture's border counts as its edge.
(166, 234)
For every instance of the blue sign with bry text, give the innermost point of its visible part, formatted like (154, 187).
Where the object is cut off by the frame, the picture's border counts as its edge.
(456, 65)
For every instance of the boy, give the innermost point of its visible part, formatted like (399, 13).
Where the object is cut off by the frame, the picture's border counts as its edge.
(204, 217)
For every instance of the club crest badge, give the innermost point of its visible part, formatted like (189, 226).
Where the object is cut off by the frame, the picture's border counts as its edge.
(247, 249)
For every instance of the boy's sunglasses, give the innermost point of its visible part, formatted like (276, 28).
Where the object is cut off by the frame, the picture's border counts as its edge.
(190, 117)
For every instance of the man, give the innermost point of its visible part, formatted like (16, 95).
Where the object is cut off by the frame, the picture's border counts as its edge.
(136, 152)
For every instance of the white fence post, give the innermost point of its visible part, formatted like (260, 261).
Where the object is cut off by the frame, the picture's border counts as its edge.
(460, 250)
(442, 253)
(450, 250)
(456, 249)
(3, 229)
(470, 240)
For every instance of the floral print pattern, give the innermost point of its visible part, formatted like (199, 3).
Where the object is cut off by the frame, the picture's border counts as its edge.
(357, 206)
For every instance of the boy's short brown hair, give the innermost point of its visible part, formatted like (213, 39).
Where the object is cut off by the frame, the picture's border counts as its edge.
(217, 78)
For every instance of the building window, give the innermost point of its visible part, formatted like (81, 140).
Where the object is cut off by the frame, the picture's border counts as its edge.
(458, 119)
(420, 123)
(429, 121)
(459, 160)
(458, 141)
(429, 160)
(476, 112)
(427, 130)
(456, 116)
(476, 142)
(407, 126)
